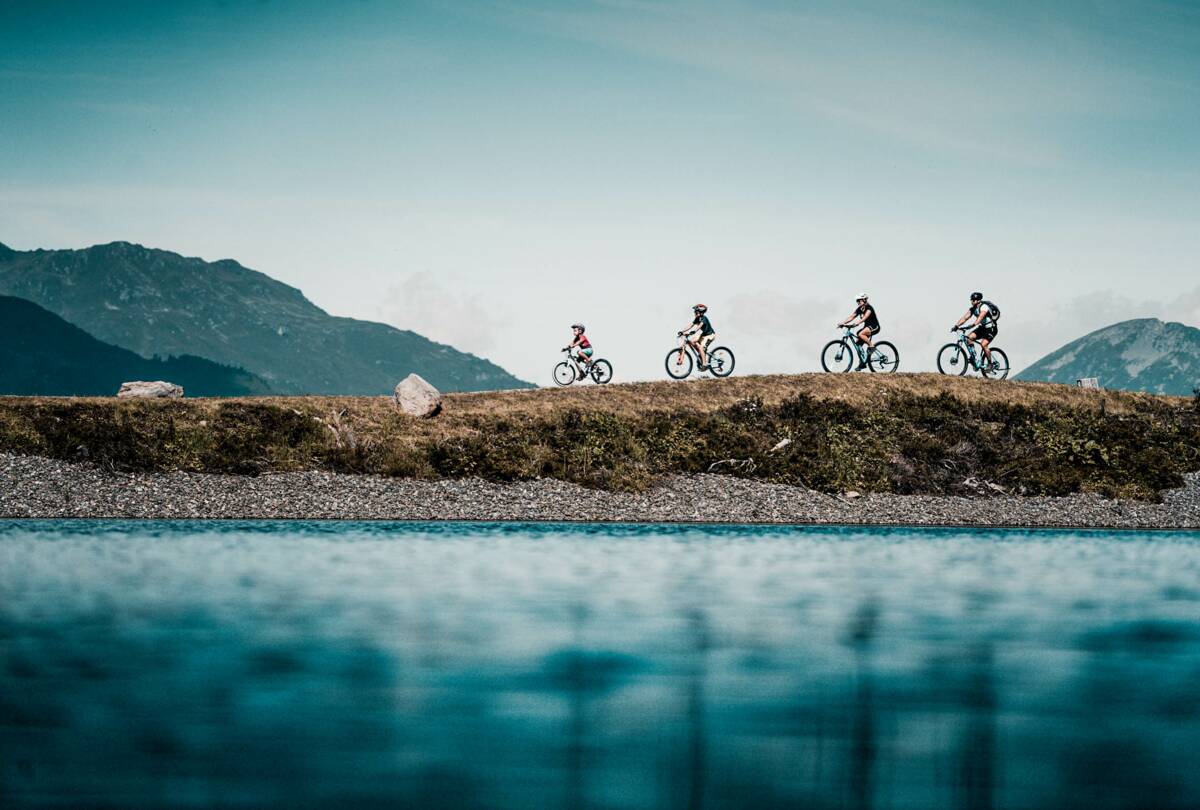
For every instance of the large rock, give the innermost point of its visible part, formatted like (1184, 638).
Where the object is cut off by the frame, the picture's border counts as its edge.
(416, 397)
(150, 390)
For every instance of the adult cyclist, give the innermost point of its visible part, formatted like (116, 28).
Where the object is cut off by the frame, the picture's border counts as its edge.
(983, 331)
(704, 335)
(864, 314)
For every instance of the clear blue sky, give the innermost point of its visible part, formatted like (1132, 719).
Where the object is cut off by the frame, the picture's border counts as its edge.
(487, 173)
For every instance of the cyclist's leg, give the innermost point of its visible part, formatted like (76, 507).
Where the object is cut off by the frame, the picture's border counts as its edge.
(987, 353)
(704, 343)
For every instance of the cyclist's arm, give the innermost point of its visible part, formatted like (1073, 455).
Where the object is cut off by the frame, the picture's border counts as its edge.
(964, 318)
(850, 319)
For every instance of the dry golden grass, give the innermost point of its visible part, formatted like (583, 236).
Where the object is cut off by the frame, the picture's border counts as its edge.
(463, 414)
(901, 432)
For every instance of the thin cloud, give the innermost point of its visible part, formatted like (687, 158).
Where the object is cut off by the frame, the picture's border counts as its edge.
(931, 80)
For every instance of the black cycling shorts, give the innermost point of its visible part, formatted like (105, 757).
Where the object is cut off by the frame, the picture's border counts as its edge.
(985, 332)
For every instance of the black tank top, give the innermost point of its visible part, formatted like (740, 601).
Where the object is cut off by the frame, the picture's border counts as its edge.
(872, 321)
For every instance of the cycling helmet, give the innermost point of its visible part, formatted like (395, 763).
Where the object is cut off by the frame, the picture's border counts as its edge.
(700, 308)
(579, 326)
(861, 297)
(976, 296)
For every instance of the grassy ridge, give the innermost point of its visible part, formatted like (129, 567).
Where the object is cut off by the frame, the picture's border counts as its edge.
(916, 433)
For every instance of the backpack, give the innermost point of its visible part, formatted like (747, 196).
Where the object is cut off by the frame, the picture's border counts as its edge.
(993, 309)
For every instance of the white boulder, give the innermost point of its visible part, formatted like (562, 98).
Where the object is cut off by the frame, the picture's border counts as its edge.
(416, 397)
(150, 390)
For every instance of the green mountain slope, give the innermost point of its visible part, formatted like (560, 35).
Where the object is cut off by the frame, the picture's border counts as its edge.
(155, 302)
(1145, 354)
(41, 354)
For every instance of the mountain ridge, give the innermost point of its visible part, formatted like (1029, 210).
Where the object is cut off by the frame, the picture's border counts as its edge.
(157, 302)
(43, 355)
(1140, 354)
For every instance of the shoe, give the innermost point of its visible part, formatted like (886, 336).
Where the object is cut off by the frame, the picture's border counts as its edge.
(860, 366)
(582, 376)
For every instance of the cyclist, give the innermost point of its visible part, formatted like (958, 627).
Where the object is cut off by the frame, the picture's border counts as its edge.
(584, 346)
(983, 330)
(706, 335)
(864, 315)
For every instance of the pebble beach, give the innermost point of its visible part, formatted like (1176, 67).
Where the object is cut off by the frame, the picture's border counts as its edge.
(34, 487)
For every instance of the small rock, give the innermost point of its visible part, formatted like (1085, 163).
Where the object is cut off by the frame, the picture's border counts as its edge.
(150, 390)
(416, 397)
(852, 494)
(780, 445)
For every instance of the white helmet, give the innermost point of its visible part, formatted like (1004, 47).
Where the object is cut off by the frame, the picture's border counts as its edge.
(861, 297)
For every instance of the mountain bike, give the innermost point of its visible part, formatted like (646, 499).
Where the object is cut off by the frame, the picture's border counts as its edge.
(720, 360)
(839, 355)
(573, 368)
(955, 358)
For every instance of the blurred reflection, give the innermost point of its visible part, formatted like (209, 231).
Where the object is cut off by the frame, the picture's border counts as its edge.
(653, 667)
(698, 644)
(862, 750)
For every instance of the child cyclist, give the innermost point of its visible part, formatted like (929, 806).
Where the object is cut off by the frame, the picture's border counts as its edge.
(700, 334)
(584, 346)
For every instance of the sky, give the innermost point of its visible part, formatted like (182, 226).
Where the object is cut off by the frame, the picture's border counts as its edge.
(487, 173)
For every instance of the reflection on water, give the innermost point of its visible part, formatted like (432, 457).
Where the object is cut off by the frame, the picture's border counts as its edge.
(295, 665)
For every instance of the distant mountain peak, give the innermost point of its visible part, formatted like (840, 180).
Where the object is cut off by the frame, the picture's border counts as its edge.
(1143, 354)
(156, 302)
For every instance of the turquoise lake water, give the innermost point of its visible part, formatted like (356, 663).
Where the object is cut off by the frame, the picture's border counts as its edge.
(585, 666)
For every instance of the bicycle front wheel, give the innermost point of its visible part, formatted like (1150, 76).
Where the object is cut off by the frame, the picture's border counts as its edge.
(952, 360)
(720, 362)
(564, 374)
(884, 358)
(679, 370)
(999, 367)
(601, 371)
(837, 356)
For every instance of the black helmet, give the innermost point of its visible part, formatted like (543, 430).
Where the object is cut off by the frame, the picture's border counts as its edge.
(976, 296)
(579, 326)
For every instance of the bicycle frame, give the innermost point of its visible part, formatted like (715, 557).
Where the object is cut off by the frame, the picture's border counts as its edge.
(860, 348)
(968, 347)
(573, 356)
(684, 343)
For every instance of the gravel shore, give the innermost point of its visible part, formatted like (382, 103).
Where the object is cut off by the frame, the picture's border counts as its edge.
(32, 487)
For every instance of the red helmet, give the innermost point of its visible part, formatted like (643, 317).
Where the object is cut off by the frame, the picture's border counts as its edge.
(700, 308)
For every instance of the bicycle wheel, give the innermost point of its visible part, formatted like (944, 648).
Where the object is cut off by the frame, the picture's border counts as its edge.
(999, 369)
(679, 370)
(720, 362)
(884, 358)
(564, 374)
(601, 371)
(951, 360)
(837, 356)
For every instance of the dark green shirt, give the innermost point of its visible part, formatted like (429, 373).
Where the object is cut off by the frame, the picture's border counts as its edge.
(705, 326)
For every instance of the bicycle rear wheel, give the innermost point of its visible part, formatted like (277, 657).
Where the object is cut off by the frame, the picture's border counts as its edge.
(601, 371)
(720, 362)
(999, 368)
(951, 360)
(837, 356)
(884, 358)
(679, 370)
(564, 374)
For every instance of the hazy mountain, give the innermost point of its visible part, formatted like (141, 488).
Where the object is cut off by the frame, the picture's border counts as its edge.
(155, 302)
(1140, 355)
(40, 353)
